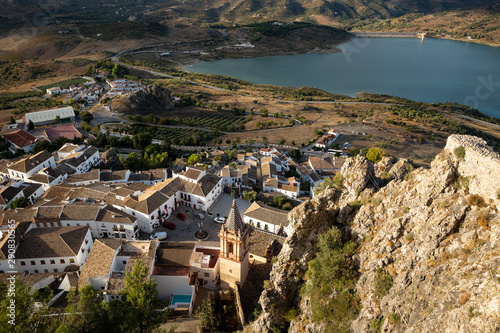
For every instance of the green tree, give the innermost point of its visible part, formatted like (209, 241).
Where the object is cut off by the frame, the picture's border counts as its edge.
(139, 298)
(209, 320)
(19, 203)
(26, 317)
(280, 200)
(58, 119)
(330, 282)
(193, 159)
(119, 71)
(296, 154)
(233, 165)
(87, 116)
(12, 120)
(264, 112)
(31, 126)
(375, 154)
(141, 140)
(265, 141)
(250, 195)
(337, 181)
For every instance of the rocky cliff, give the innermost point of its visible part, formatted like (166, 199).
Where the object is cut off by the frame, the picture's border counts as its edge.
(432, 236)
(153, 99)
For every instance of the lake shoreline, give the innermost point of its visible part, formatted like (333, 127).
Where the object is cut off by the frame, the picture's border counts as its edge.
(356, 58)
(388, 34)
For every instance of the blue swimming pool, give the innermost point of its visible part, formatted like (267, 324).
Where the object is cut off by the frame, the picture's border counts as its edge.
(181, 299)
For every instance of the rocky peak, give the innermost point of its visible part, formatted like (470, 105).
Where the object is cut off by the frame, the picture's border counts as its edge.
(434, 234)
(153, 99)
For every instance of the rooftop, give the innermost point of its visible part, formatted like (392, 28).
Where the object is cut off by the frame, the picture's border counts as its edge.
(267, 214)
(20, 138)
(52, 242)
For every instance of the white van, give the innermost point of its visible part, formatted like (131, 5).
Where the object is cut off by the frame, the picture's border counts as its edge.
(158, 235)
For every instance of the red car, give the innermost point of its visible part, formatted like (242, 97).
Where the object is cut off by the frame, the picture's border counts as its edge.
(169, 225)
(181, 216)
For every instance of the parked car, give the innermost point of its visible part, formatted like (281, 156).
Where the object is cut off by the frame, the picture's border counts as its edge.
(220, 220)
(181, 216)
(169, 225)
(201, 216)
(158, 235)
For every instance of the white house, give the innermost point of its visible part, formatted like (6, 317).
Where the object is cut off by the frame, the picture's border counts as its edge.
(82, 160)
(29, 166)
(68, 149)
(231, 177)
(20, 139)
(108, 261)
(267, 218)
(104, 221)
(47, 250)
(326, 140)
(48, 177)
(175, 283)
(206, 266)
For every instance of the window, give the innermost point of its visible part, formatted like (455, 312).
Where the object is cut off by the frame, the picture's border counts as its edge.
(46, 270)
(86, 241)
(62, 261)
(42, 262)
(23, 263)
(124, 262)
(83, 250)
(207, 274)
(56, 270)
(33, 263)
(36, 270)
(72, 261)
(52, 262)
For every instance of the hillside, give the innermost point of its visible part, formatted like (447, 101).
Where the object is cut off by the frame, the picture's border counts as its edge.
(420, 254)
(475, 24)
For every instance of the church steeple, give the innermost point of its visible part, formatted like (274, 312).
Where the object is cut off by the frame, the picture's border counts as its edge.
(234, 249)
(234, 221)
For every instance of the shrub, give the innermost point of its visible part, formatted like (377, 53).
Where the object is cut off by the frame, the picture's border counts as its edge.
(331, 282)
(267, 284)
(356, 205)
(476, 200)
(459, 152)
(291, 314)
(483, 218)
(376, 324)
(462, 182)
(394, 318)
(383, 283)
(375, 154)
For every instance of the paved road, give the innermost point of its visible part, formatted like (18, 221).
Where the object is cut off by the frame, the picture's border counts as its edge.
(482, 122)
(116, 56)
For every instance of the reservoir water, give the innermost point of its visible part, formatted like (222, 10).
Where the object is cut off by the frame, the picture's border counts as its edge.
(430, 71)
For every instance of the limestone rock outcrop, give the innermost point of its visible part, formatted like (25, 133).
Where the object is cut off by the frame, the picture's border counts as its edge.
(435, 232)
(111, 159)
(152, 100)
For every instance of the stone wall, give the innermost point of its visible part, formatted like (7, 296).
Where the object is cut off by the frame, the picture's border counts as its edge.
(481, 164)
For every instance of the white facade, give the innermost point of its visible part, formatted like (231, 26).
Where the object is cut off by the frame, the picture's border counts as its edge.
(49, 116)
(55, 264)
(50, 162)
